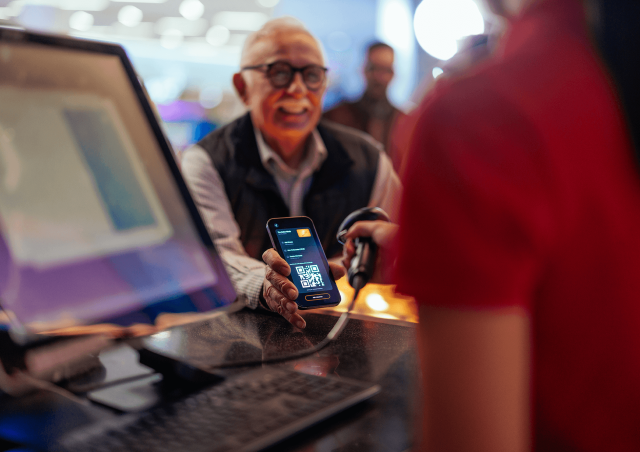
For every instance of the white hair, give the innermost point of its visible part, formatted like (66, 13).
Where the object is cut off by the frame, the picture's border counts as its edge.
(273, 26)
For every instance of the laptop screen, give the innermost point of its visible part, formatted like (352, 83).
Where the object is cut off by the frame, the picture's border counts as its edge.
(96, 223)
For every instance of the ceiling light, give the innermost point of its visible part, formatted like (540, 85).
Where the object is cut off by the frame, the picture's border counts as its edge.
(185, 26)
(218, 35)
(437, 72)
(191, 9)
(68, 5)
(440, 24)
(171, 39)
(268, 3)
(81, 21)
(85, 5)
(130, 16)
(139, 1)
(236, 20)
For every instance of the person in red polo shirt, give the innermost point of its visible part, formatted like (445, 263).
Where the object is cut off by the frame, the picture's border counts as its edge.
(520, 239)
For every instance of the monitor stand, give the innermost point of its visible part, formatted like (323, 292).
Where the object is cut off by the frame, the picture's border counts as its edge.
(47, 358)
(172, 379)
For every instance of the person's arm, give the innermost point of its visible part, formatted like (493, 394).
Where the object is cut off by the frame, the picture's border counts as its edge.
(475, 380)
(209, 195)
(387, 189)
(474, 368)
(250, 277)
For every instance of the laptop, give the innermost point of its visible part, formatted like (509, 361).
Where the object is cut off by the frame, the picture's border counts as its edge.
(98, 226)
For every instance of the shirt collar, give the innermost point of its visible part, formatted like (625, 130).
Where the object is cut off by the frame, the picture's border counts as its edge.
(316, 153)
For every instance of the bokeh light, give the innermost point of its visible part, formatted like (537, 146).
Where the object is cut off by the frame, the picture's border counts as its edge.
(130, 15)
(210, 97)
(191, 9)
(440, 24)
(377, 302)
(218, 35)
(81, 21)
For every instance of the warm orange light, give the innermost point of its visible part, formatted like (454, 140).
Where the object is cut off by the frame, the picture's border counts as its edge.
(397, 307)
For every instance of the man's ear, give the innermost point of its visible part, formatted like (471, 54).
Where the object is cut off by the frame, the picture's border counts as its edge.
(241, 87)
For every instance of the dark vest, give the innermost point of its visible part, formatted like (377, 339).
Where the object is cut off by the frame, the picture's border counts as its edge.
(342, 184)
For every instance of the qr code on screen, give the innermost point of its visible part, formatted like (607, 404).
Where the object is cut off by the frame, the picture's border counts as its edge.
(309, 276)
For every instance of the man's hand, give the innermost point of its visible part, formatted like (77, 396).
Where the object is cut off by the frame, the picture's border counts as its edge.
(280, 293)
(383, 234)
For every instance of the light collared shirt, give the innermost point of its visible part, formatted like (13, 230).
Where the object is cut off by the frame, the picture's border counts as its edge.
(293, 183)
(207, 189)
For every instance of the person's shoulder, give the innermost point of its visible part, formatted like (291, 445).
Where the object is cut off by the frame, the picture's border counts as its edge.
(344, 113)
(338, 109)
(223, 137)
(477, 98)
(349, 137)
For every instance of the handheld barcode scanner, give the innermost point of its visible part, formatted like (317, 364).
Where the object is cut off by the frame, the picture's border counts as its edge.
(363, 263)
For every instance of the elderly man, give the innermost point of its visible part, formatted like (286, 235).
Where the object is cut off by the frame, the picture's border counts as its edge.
(279, 161)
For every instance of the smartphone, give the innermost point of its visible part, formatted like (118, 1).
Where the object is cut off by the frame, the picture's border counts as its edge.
(296, 240)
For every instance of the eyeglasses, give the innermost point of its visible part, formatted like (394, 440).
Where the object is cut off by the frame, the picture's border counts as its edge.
(281, 73)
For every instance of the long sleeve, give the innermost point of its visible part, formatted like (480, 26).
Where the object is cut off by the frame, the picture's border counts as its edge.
(208, 192)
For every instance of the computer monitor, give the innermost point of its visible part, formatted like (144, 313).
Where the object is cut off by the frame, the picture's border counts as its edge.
(96, 222)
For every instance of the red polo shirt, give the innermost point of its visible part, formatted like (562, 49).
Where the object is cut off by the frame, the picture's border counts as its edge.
(522, 188)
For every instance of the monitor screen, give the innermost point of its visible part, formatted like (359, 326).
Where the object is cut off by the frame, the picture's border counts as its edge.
(95, 221)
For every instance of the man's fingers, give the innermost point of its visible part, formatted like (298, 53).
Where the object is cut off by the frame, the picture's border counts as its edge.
(338, 270)
(273, 260)
(276, 300)
(281, 283)
(294, 318)
(283, 306)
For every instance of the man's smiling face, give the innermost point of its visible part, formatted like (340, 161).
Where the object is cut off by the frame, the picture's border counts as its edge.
(292, 112)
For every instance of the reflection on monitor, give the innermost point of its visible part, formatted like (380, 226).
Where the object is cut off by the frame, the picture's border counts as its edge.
(95, 223)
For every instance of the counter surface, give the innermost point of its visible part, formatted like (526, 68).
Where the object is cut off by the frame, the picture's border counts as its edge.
(371, 350)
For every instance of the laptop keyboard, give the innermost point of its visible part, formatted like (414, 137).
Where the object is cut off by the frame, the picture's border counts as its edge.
(246, 412)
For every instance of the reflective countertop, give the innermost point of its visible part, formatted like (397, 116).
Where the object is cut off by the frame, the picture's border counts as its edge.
(370, 349)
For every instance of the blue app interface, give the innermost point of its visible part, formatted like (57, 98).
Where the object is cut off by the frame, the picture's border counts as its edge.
(303, 256)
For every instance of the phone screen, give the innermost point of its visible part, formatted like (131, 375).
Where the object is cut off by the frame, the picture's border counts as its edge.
(296, 240)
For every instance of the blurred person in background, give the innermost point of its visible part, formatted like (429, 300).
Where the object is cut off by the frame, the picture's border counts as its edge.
(372, 113)
(519, 238)
(280, 160)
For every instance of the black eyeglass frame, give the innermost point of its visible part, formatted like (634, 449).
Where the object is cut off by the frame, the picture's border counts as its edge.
(293, 69)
